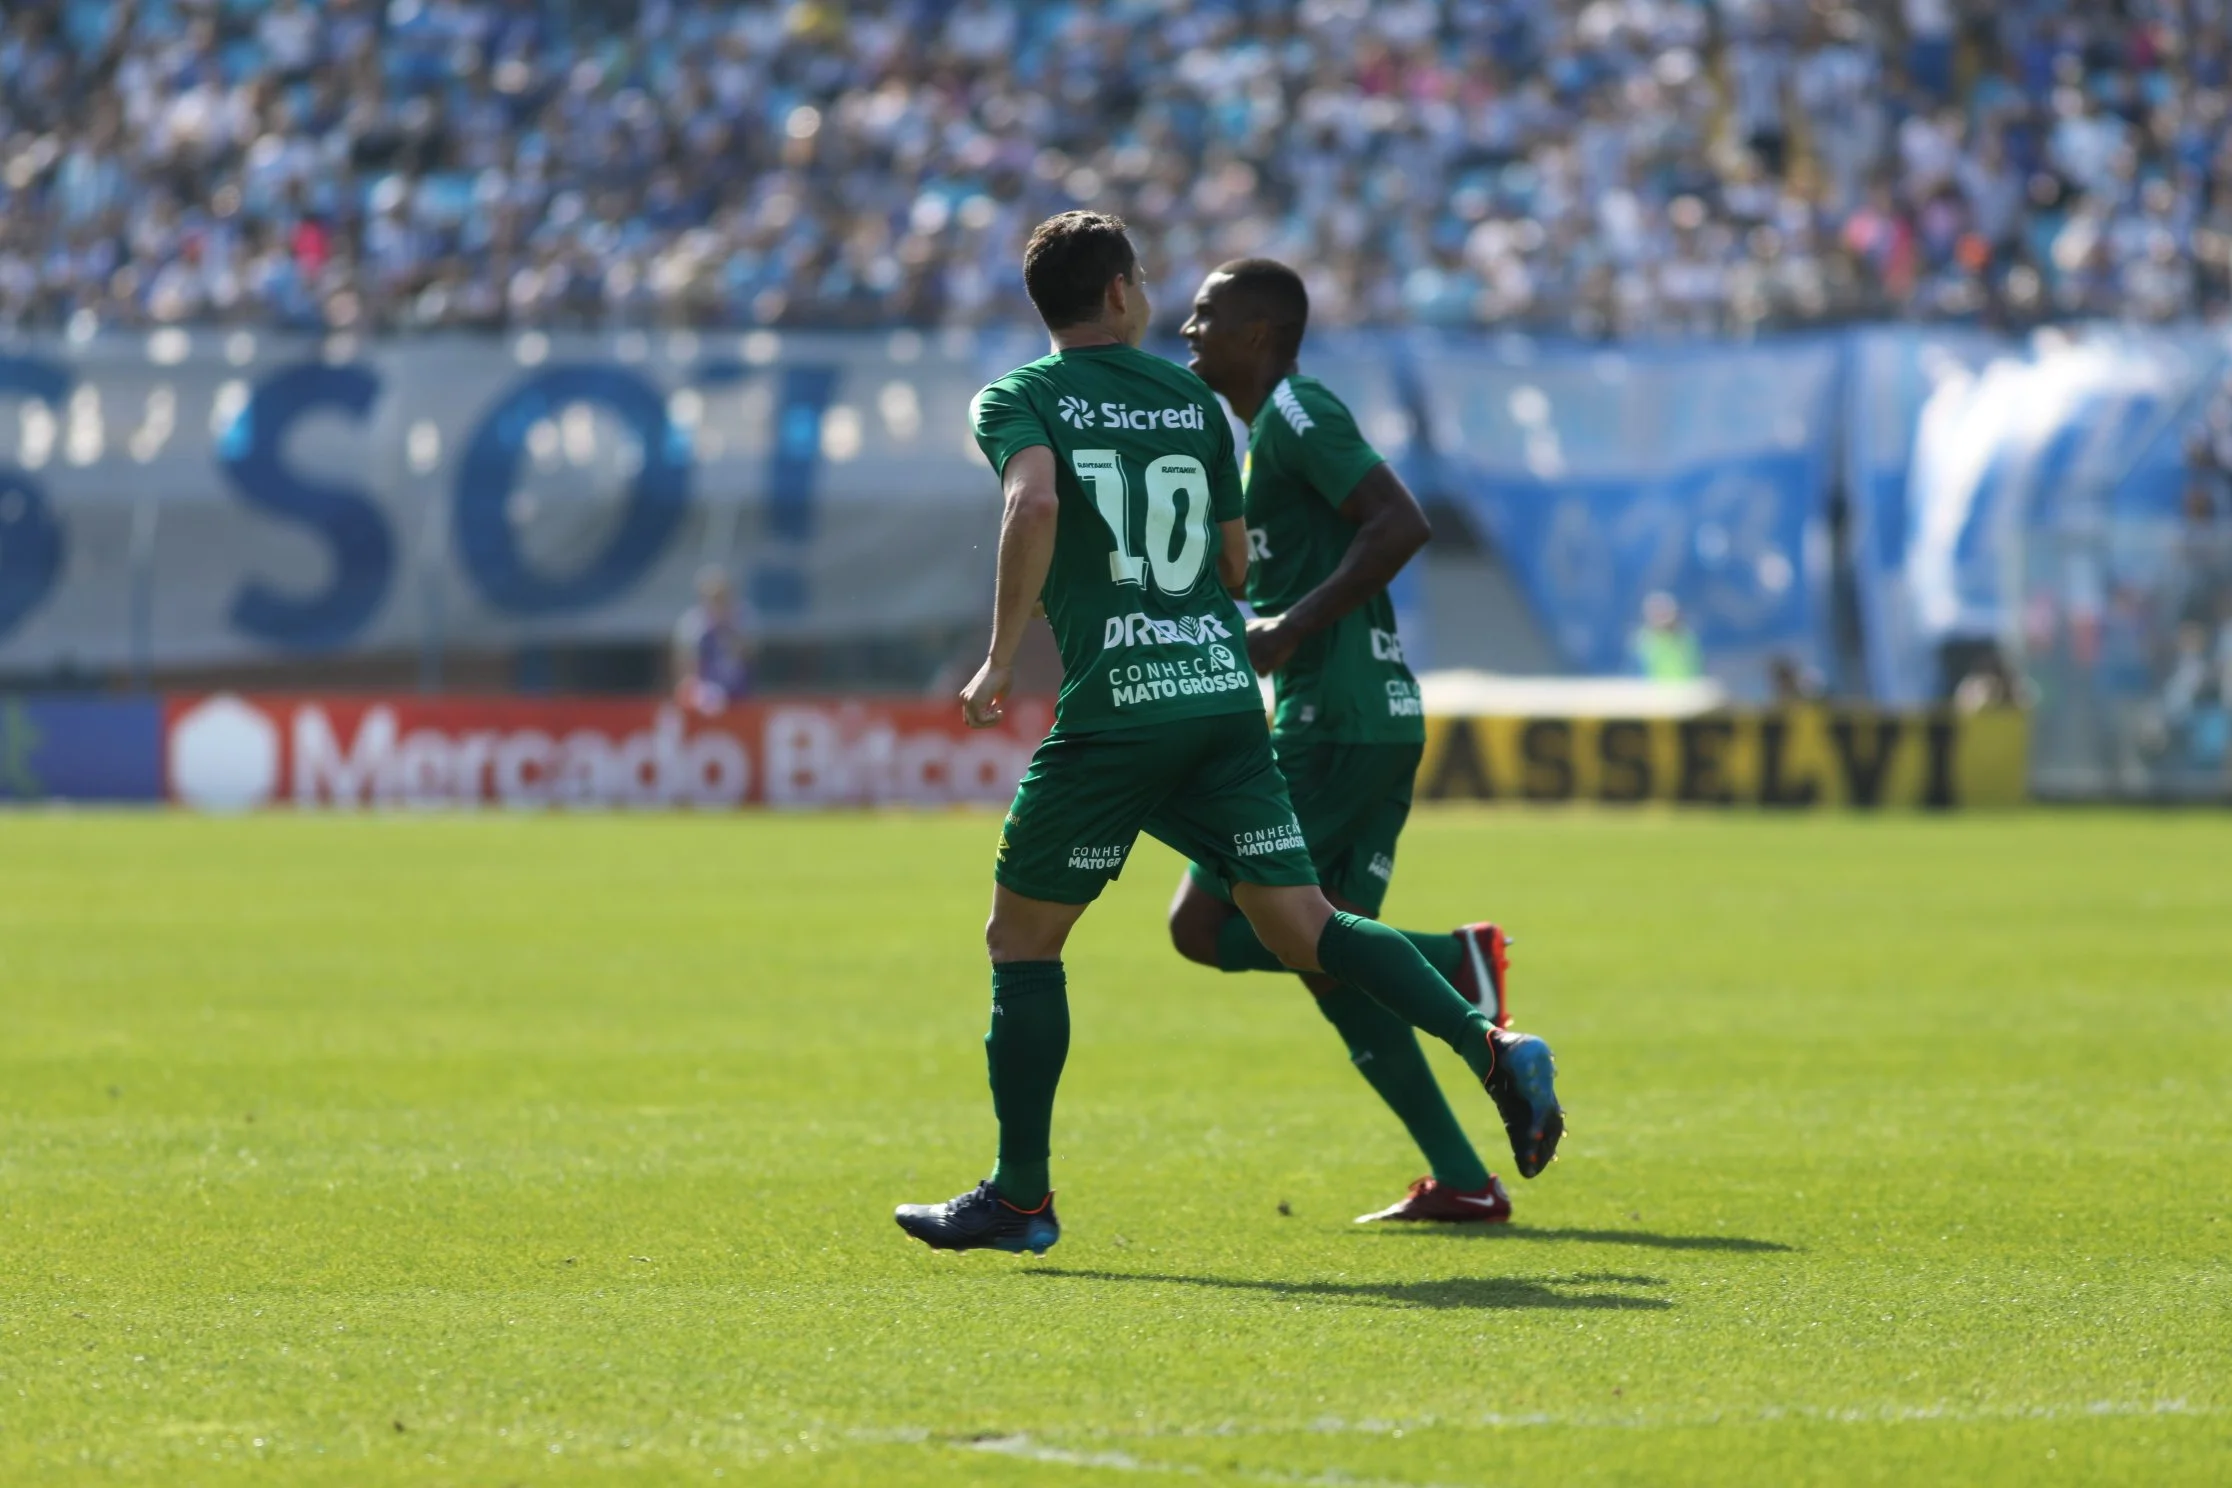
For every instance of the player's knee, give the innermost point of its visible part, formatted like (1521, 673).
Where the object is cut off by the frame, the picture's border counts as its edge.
(1021, 930)
(1196, 918)
(1278, 933)
(1291, 949)
(1289, 922)
(1193, 935)
(1003, 942)
(1193, 942)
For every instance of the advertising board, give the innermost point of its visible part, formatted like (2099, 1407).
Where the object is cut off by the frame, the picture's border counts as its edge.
(1794, 759)
(228, 752)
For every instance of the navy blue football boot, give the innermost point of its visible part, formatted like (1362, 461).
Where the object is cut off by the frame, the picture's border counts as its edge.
(981, 1220)
(1523, 1085)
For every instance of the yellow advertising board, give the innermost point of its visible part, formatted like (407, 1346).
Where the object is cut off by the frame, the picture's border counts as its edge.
(1789, 759)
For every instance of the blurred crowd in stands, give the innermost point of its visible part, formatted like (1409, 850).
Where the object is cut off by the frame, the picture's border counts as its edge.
(2193, 715)
(1633, 168)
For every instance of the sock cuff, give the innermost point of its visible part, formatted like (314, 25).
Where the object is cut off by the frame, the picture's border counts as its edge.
(1012, 980)
(1338, 931)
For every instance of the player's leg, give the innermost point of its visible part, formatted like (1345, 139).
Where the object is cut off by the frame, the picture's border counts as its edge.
(1303, 929)
(1382, 1047)
(1233, 945)
(1199, 912)
(1075, 817)
(1207, 928)
(1373, 784)
(1474, 958)
(1385, 1051)
(1028, 1042)
(1234, 816)
(1352, 801)
(1301, 925)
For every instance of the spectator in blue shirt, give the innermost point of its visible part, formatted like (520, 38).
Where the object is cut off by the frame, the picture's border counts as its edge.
(713, 648)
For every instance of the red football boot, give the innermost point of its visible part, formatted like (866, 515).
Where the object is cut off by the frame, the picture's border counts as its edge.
(1483, 968)
(1430, 1199)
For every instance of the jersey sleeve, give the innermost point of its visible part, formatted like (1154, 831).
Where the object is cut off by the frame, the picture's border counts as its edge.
(1004, 423)
(1322, 441)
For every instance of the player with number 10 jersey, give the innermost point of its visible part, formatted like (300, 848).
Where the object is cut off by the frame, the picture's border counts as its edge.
(1144, 464)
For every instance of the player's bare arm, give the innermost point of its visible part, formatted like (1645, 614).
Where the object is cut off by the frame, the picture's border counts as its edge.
(1391, 527)
(1026, 552)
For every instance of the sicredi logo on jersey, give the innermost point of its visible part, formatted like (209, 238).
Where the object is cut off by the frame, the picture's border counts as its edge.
(1079, 414)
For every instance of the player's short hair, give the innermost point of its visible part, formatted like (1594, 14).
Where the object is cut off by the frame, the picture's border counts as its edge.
(1069, 261)
(1268, 290)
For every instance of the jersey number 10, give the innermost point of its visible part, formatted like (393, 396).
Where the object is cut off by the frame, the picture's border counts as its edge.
(1177, 546)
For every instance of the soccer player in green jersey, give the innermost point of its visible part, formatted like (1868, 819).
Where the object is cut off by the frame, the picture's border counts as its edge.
(1122, 517)
(1330, 525)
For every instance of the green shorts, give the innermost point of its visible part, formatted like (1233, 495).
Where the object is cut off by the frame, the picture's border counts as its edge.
(1207, 786)
(1352, 801)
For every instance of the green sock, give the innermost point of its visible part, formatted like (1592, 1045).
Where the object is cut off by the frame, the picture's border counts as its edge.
(1441, 951)
(1238, 949)
(1386, 1053)
(1024, 1052)
(1390, 970)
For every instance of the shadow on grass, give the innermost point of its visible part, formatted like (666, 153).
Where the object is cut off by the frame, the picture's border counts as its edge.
(1648, 1239)
(1486, 1293)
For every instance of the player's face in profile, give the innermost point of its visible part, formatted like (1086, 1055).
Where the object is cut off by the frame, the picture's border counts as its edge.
(1215, 337)
(1136, 309)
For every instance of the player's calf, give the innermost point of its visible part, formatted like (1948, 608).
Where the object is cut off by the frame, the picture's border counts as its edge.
(1196, 918)
(1026, 929)
(1289, 920)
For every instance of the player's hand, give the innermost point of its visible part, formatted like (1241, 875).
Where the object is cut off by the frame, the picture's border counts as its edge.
(984, 700)
(1270, 645)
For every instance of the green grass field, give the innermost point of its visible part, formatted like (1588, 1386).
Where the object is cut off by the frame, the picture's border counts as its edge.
(562, 1150)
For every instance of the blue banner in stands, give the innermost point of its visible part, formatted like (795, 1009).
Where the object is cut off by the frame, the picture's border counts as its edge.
(1606, 476)
(191, 498)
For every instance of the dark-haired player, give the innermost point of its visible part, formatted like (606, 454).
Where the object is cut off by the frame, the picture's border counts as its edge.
(1122, 515)
(1331, 524)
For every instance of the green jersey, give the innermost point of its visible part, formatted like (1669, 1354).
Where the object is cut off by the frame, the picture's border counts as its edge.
(1346, 684)
(1144, 469)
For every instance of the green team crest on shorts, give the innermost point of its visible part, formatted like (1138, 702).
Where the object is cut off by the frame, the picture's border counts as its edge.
(1347, 684)
(1145, 470)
